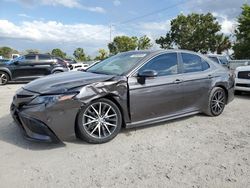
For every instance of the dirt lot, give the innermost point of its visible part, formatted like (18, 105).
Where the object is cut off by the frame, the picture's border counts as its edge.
(198, 151)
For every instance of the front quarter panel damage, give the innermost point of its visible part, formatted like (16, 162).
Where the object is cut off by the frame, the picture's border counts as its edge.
(115, 88)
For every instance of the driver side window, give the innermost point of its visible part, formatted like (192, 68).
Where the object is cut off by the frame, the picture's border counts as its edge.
(166, 64)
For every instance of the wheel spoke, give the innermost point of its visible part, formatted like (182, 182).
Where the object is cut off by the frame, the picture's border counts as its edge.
(109, 116)
(110, 124)
(90, 122)
(99, 130)
(100, 109)
(95, 110)
(89, 117)
(107, 111)
(94, 129)
(107, 128)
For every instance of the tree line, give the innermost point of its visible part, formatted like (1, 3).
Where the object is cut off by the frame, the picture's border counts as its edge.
(196, 32)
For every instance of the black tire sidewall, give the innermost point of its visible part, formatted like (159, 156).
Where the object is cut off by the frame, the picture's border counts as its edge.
(81, 132)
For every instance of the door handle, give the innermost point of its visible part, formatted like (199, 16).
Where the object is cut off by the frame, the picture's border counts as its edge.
(177, 81)
(209, 76)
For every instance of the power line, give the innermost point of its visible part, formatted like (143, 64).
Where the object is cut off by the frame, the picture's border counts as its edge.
(151, 13)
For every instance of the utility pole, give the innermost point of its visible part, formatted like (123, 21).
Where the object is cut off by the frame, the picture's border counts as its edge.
(110, 32)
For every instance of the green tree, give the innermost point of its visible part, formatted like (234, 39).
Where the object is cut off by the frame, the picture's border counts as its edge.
(80, 55)
(242, 45)
(32, 51)
(103, 54)
(196, 32)
(144, 43)
(88, 58)
(58, 52)
(6, 52)
(222, 43)
(122, 44)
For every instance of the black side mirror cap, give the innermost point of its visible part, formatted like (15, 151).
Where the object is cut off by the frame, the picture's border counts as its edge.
(141, 77)
(148, 73)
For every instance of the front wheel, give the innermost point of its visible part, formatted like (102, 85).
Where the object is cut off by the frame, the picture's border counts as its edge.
(4, 78)
(99, 122)
(217, 102)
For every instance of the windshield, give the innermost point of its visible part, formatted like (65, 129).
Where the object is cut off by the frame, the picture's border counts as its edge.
(118, 64)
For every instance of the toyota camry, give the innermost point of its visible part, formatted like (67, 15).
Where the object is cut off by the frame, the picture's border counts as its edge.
(130, 89)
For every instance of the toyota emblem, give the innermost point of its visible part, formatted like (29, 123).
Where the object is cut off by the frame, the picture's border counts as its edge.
(248, 74)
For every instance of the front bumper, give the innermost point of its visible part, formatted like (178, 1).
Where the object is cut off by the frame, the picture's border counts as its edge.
(32, 128)
(242, 84)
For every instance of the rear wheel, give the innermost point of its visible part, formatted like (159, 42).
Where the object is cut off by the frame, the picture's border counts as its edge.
(217, 102)
(4, 78)
(56, 72)
(99, 122)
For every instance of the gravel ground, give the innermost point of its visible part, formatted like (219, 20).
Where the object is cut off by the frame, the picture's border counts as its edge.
(197, 151)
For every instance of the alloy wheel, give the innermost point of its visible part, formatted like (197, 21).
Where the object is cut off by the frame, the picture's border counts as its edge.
(218, 102)
(3, 78)
(100, 120)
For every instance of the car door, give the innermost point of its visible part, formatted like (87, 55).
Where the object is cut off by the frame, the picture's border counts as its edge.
(22, 67)
(197, 79)
(158, 96)
(44, 65)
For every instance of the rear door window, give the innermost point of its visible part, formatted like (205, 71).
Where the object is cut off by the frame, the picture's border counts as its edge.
(30, 57)
(43, 57)
(193, 63)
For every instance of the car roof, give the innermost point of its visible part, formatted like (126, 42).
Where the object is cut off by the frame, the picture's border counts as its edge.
(162, 51)
(215, 55)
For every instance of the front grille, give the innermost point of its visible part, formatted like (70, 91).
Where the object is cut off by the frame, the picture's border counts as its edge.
(243, 85)
(244, 74)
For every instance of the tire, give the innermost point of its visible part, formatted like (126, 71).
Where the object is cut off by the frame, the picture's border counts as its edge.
(56, 72)
(216, 102)
(99, 122)
(4, 78)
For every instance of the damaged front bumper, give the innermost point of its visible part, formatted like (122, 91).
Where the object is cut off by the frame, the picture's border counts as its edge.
(33, 129)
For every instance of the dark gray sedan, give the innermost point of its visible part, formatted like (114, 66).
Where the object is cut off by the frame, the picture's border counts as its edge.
(130, 89)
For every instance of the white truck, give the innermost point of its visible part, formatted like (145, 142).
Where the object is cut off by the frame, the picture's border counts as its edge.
(242, 78)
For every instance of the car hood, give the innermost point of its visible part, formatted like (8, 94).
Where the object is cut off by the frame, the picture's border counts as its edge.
(243, 68)
(61, 82)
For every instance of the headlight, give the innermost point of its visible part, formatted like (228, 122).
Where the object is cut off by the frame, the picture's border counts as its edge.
(45, 99)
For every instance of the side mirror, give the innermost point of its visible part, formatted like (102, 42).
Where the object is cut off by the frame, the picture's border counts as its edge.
(146, 74)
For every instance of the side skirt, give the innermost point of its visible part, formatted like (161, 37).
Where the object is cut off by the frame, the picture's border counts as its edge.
(159, 119)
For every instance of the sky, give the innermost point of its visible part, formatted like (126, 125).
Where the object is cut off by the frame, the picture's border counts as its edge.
(69, 24)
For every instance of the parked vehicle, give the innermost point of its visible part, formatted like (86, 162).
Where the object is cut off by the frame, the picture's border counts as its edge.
(3, 60)
(29, 67)
(220, 59)
(78, 66)
(242, 80)
(70, 61)
(130, 89)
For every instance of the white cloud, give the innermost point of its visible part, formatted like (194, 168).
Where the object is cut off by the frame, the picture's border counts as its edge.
(24, 15)
(53, 31)
(56, 33)
(66, 3)
(71, 4)
(117, 2)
